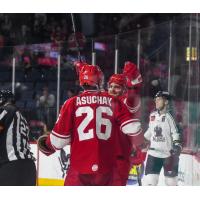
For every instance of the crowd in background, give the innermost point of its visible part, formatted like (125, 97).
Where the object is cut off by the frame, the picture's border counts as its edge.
(39, 68)
(27, 28)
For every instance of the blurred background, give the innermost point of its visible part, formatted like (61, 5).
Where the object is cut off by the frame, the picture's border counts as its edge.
(37, 52)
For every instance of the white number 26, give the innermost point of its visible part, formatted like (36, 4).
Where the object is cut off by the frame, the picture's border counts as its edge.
(100, 120)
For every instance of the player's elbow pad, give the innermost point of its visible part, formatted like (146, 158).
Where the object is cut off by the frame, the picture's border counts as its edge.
(133, 128)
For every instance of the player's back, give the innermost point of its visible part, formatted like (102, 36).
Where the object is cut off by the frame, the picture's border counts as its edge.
(93, 137)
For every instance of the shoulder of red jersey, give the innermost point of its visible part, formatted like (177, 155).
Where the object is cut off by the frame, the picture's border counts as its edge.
(69, 101)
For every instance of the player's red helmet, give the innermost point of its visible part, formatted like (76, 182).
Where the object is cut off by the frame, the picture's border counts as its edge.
(73, 38)
(78, 65)
(119, 79)
(91, 75)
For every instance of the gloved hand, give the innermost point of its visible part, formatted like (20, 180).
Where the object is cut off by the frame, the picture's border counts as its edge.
(78, 66)
(176, 150)
(132, 74)
(43, 147)
(137, 157)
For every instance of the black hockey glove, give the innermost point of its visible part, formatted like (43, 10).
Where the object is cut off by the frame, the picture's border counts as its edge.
(176, 150)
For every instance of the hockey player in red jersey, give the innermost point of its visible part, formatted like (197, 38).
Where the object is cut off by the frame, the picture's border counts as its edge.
(127, 88)
(89, 123)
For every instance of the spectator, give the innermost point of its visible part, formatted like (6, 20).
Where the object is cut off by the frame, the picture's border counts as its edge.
(25, 33)
(57, 37)
(46, 107)
(17, 167)
(41, 17)
(7, 24)
(70, 93)
(37, 128)
(27, 62)
(20, 88)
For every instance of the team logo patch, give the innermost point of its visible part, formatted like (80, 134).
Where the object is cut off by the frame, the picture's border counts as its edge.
(158, 131)
(163, 118)
(158, 137)
(152, 118)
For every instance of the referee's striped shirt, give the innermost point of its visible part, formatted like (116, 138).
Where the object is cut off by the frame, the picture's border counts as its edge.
(15, 135)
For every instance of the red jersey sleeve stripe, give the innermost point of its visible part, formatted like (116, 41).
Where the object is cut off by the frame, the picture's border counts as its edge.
(133, 127)
(129, 121)
(63, 136)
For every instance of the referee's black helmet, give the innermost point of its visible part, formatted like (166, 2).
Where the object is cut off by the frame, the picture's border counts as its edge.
(164, 94)
(6, 96)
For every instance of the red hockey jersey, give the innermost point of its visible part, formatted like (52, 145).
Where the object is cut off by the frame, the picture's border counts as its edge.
(132, 101)
(89, 122)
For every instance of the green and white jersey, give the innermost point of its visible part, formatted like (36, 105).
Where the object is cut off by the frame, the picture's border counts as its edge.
(162, 133)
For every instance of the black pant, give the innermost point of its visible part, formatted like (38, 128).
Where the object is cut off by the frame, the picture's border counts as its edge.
(170, 165)
(18, 173)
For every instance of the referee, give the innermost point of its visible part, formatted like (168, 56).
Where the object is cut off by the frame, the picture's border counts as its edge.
(17, 167)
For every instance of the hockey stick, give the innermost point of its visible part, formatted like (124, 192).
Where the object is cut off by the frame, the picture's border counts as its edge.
(139, 176)
(76, 41)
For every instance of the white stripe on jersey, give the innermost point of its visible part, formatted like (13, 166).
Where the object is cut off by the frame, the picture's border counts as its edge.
(58, 142)
(131, 128)
(3, 114)
(18, 135)
(9, 145)
(16, 138)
